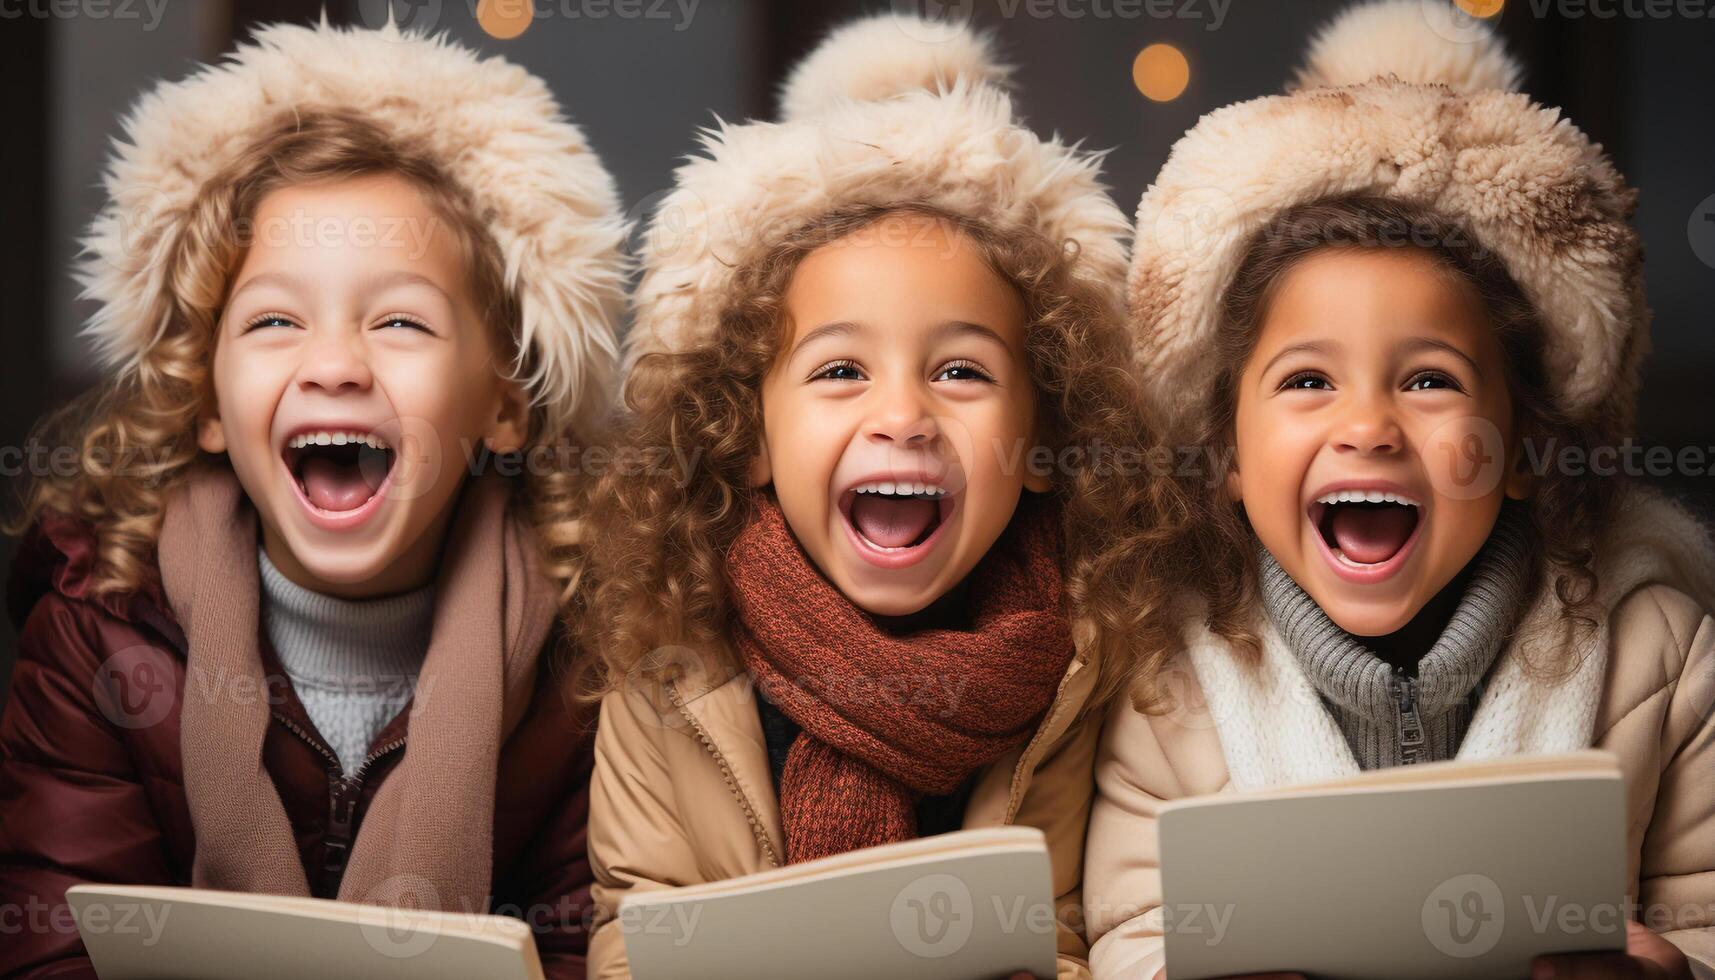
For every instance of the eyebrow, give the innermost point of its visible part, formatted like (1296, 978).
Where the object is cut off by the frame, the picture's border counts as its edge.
(847, 327)
(405, 277)
(840, 329)
(289, 280)
(964, 327)
(1307, 347)
(1429, 343)
(285, 279)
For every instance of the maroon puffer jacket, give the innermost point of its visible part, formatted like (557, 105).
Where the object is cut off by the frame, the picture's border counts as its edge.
(92, 789)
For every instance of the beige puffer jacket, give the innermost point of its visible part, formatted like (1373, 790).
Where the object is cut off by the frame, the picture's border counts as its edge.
(682, 794)
(1646, 694)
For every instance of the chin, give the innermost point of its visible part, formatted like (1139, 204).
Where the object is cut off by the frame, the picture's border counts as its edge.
(1367, 619)
(344, 562)
(341, 569)
(891, 600)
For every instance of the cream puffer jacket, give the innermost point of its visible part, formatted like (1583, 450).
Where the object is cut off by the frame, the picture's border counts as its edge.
(683, 794)
(1645, 692)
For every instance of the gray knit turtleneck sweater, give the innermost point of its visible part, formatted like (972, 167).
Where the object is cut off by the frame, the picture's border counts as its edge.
(1388, 717)
(353, 664)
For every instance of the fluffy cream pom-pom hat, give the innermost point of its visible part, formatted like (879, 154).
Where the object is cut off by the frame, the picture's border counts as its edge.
(493, 127)
(889, 110)
(1399, 100)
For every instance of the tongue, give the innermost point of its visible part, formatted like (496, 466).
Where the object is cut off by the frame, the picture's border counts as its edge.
(1370, 535)
(334, 486)
(891, 522)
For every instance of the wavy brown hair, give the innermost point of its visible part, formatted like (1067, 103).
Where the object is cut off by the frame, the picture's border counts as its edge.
(661, 582)
(1563, 509)
(135, 436)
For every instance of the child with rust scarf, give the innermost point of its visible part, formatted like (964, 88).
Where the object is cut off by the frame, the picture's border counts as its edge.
(881, 604)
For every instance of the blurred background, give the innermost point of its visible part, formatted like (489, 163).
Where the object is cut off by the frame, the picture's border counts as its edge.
(641, 76)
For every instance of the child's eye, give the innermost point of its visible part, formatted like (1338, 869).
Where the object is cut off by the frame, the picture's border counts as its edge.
(1427, 380)
(838, 371)
(1307, 380)
(268, 320)
(963, 371)
(401, 320)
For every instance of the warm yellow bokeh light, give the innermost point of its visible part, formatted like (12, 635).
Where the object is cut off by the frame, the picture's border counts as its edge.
(1481, 9)
(504, 19)
(1161, 72)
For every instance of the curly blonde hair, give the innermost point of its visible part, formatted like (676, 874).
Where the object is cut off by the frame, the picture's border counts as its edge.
(660, 580)
(135, 435)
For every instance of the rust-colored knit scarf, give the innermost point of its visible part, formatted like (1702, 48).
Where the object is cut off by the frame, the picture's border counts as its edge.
(889, 718)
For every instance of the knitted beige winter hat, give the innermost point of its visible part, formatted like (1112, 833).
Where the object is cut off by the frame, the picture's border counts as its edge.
(1393, 104)
(493, 127)
(889, 110)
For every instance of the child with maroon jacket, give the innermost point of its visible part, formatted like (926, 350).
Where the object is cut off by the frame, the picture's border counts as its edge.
(280, 633)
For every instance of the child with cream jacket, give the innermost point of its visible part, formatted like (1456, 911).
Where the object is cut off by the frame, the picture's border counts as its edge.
(1417, 311)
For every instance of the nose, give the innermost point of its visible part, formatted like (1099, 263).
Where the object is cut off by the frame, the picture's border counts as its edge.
(335, 362)
(1367, 426)
(901, 416)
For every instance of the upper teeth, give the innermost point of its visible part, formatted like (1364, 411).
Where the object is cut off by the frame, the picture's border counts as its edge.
(331, 438)
(1366, 497)
(914, 489)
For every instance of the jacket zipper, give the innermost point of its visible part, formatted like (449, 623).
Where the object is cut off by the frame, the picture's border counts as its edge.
(1015, 792)
(1411, 740)
(343, 793)
(732, 786)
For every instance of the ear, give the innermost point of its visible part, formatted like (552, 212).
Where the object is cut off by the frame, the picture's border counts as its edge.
(761, 471)
(1235, 486)
(510, 425)
(211, 435)
(1520, 482)
(1037, 481)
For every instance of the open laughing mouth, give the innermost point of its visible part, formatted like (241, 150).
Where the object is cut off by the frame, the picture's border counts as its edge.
(1366, 534)
(341, 475)
(894, 524)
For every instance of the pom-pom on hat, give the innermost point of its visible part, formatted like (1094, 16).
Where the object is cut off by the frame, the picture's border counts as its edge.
(1393, 103)
(889, 110)
(494, 128)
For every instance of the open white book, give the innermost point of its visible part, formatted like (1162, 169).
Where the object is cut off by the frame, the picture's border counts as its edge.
(1451, 869)
(970, 905)
(149, 933)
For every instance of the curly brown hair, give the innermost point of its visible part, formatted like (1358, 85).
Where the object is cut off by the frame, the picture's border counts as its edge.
(660, 581)
(1563, 509)
(135, 435)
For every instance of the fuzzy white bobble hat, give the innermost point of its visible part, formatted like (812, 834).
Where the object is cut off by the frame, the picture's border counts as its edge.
(493, 127)
(1399, 100)
(889, 110)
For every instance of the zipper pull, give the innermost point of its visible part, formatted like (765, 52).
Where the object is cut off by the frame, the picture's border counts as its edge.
(1411, 740)
(336, 841)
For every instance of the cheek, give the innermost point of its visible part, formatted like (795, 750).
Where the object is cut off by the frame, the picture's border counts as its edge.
(804, 443)
(1464, 457)
(1273, 453)
(248, 385)
(450, 390)
(990, 437)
